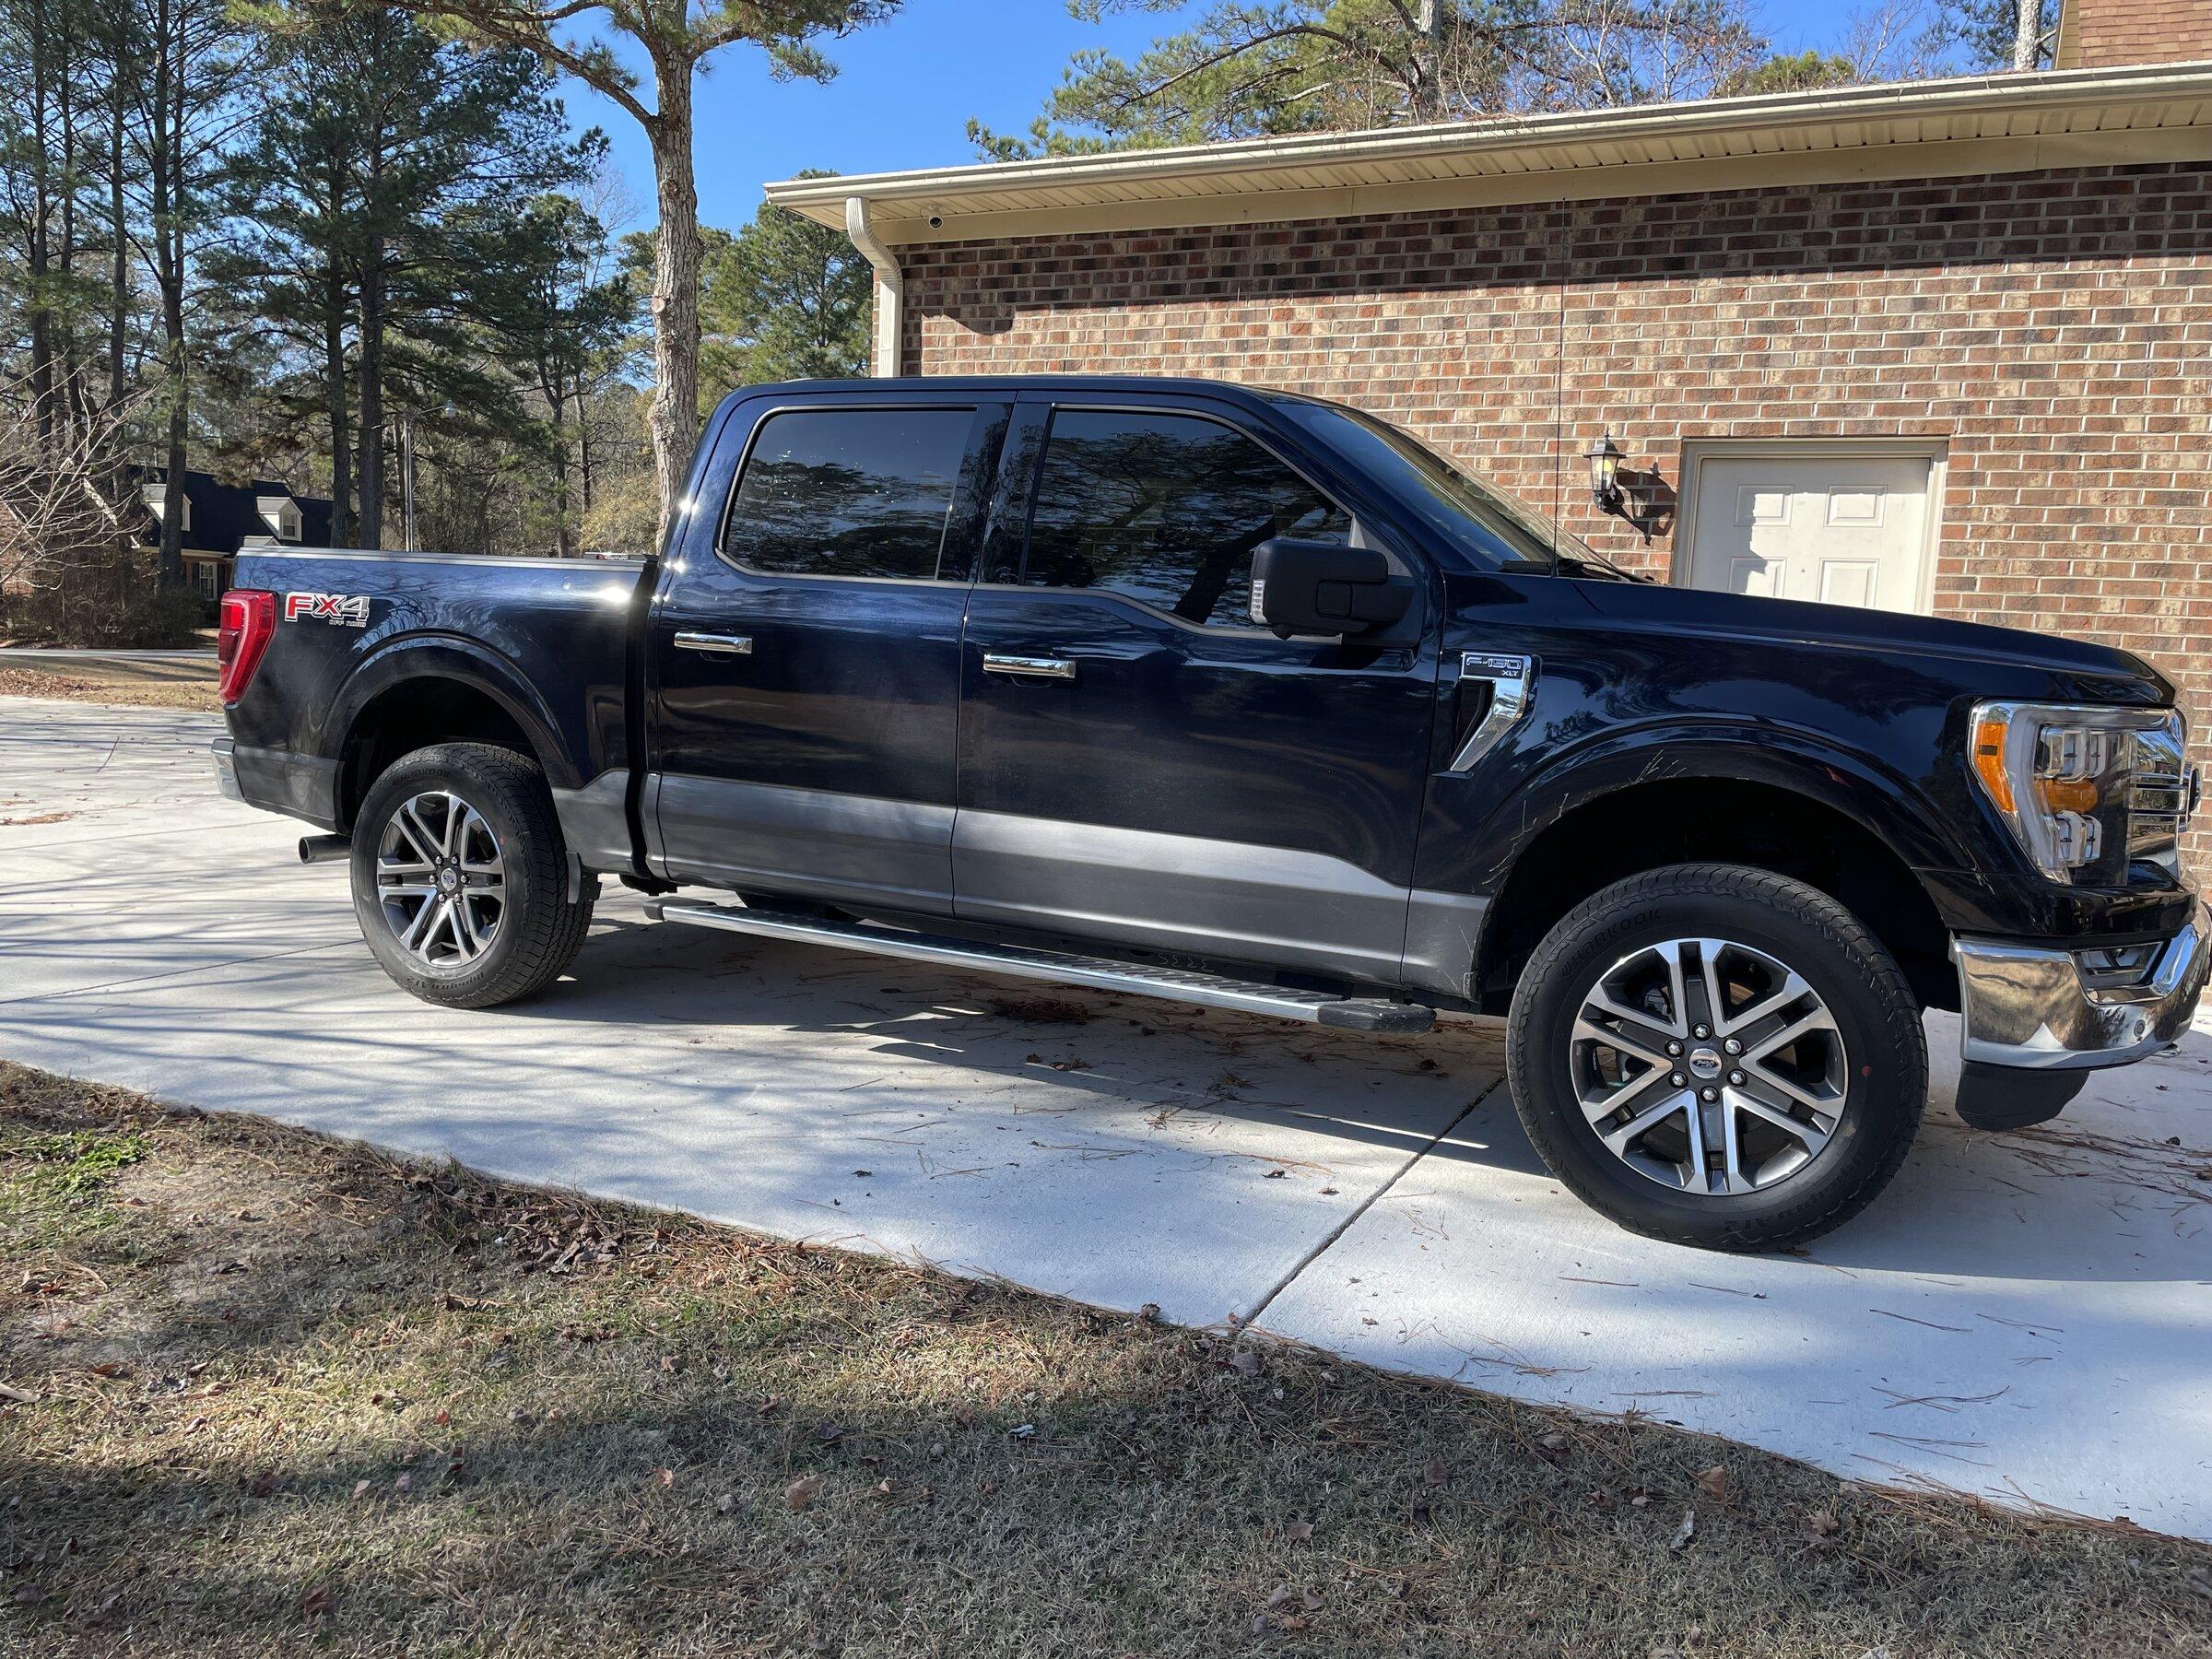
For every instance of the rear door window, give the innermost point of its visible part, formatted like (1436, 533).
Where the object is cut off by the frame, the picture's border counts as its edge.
(1165, 509)
(849, 492)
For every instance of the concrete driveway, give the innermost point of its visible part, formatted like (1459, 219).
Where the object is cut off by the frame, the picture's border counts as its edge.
(2028, 1317)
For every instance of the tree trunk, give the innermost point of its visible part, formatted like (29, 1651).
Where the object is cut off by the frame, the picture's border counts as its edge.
(38, 231)
(334, 401)
(674, 417)
(2027, 33)
(169, 276)
(1429, 74)
(583, 444)
(372, 394)
(119, 262)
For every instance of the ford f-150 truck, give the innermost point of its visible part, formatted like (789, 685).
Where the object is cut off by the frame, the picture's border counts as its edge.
(1245, 699)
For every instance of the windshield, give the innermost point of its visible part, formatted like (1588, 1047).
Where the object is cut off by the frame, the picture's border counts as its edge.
(1462, 508)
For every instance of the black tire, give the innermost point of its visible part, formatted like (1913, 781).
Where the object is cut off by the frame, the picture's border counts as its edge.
(1884, 1055)
(537, 930)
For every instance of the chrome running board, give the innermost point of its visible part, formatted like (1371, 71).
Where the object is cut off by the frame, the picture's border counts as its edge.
(1064, 968)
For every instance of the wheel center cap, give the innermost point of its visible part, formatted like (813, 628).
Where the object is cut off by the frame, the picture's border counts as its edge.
(1705, 1061)
(448, 879)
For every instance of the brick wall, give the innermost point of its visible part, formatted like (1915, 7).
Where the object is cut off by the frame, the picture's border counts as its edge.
(2054, 329)
(2106, 34)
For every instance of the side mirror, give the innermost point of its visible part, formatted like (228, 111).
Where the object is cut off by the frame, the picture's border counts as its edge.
(1313, 588)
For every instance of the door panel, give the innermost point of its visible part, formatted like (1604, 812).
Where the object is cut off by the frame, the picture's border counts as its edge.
(1194, 787)
(1839, 529)
(819, 757)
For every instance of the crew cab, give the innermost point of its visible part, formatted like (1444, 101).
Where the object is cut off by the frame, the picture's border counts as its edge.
(1244, 699)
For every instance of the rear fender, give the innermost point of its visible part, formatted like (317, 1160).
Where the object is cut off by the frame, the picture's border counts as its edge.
(416, 658)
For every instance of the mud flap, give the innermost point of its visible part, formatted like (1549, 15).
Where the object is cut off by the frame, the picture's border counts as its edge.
(2004, 1096)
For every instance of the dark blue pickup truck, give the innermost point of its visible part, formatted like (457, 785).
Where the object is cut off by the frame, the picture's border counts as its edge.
(1244, 699)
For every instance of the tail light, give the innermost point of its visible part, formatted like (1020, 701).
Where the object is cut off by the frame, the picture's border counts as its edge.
(249, 622)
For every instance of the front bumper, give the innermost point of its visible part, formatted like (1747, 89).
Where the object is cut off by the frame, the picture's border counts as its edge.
(2032, 1008)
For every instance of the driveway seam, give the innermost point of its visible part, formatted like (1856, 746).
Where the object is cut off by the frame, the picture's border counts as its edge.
(144, 979)
(1359, 1210)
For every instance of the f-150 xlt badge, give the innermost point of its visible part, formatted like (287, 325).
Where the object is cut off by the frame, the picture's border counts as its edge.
(342, 610)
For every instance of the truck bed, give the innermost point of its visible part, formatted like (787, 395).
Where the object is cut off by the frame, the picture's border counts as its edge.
(549, 643)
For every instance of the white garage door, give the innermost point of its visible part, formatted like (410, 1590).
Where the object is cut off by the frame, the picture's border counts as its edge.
(1840, 529)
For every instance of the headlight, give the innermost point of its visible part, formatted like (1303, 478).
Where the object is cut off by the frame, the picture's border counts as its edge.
(2087, 791)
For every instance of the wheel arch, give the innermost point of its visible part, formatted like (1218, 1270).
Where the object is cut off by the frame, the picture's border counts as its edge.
(430, 689)
(1825, 834)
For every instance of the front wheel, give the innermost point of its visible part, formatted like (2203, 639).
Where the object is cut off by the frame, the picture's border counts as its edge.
(1718, 1055)
(460, 880)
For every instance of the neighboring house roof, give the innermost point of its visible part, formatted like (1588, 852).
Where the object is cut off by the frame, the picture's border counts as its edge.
(1918, 129)
(225, 517)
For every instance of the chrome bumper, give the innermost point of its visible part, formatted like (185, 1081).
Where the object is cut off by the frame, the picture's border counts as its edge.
(2032, 1008)
(226, 768)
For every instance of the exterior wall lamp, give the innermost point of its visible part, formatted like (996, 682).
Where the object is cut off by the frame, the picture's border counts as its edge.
(1605, 477)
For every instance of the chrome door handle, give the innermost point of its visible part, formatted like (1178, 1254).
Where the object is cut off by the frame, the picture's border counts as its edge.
(720, 644)
(1029, 667)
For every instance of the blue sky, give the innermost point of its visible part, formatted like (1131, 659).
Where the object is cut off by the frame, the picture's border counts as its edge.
(905, 91)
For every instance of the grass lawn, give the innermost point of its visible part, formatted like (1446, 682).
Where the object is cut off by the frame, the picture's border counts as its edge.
(264, 1392)
(154, 685)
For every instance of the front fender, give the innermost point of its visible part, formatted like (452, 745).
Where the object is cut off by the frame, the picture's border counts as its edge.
(1804, 763)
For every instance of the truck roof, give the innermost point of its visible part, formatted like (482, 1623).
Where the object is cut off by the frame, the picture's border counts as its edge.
(1232, 389)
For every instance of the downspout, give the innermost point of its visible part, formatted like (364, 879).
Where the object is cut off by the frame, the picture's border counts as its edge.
(890, 291)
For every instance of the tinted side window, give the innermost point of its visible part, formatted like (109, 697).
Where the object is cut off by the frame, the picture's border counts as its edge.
(848, 493)
(1166, 509)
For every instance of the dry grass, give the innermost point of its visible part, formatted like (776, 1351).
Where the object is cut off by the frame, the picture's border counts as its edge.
(103, 685)
(272, 1393)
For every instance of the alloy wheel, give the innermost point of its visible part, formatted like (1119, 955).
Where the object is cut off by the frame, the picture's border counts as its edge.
(1709, 1067)
(440, 880)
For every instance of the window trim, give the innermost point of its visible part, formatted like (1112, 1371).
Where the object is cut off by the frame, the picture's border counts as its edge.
(1029, 521)
(975, 412)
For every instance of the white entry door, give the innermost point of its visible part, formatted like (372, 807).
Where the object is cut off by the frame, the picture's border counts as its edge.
(1838, 529)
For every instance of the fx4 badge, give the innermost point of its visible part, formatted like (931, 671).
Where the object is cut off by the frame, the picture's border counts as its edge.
(342, 610)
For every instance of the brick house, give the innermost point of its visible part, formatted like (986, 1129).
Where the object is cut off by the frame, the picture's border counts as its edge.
(1940, 347)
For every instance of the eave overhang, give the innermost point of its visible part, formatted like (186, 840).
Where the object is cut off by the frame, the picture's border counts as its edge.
(1919, 129)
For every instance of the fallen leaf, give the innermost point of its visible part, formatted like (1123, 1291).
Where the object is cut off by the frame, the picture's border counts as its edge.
(1683, 1533)
(726, 1503)
(1434, 1474)
(1299, 1532)
(362, 1487)
(1245, 1363)
(664, 1478)
(1823, 1524)
(801, 1492)
(1713, 1482)
(1276, 1174)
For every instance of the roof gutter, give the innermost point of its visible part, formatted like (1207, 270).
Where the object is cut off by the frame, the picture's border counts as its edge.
(890, 288)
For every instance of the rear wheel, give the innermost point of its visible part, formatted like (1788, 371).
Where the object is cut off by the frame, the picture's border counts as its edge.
(460, 877)
(1718, 1055)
